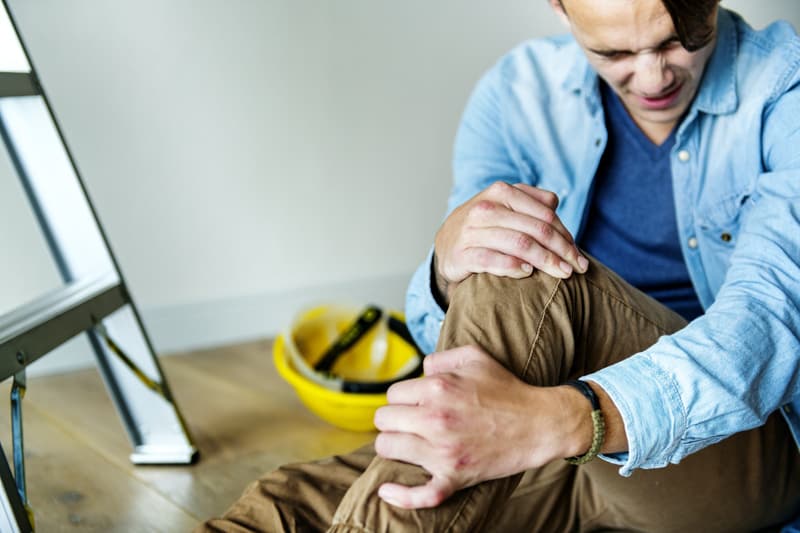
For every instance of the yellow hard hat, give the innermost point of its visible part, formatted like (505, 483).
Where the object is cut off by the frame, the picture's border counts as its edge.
(340, 361)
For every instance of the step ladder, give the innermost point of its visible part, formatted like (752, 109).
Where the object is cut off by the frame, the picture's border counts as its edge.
(94, 298)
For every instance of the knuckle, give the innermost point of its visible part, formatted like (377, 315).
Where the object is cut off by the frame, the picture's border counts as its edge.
(507, 262)
(483, 206)
(549, 258)
(436, 497)
(523, 242)
(545, 231)
(548, 216)
(499, 188)
(442, 420)
(483, 259)
(382, 445)
(453, 454)
(551, 199)
(439, 385)
(377, 418)
(481, 210)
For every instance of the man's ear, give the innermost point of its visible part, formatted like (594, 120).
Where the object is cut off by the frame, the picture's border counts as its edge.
(558, 7)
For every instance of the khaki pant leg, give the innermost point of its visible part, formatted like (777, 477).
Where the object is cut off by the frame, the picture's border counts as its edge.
(748, 482)
(296, 498)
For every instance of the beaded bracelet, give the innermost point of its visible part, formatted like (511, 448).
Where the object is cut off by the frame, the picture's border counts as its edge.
(598, 424)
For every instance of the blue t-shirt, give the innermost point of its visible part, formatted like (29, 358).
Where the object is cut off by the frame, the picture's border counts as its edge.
(631, 225)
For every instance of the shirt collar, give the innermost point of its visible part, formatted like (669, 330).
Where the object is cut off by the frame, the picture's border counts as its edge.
(581, 78)
(717, 93)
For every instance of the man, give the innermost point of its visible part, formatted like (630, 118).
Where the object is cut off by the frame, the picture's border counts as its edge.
(668, 132)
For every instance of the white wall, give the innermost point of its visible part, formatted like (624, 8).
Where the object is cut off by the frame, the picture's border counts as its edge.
(250, 157)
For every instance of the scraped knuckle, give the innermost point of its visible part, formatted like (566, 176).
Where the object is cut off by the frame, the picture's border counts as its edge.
(544, 231)
(453, 455)
(481, 209)
(442, 420)
(523, 242)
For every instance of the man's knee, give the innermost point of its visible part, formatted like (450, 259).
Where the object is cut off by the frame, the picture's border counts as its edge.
(482, 294)
(508, 318)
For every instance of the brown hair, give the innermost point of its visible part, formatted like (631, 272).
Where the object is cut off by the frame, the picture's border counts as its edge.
(691, 21)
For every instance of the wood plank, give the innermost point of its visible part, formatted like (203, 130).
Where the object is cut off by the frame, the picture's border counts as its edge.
(70, 486)
(250, 364)
(245, 420)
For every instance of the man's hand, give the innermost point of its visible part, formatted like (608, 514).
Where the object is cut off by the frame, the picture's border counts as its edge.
(470, 420)
(505, 230)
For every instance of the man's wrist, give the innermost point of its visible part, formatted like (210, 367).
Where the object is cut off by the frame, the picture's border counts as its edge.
(577, 426)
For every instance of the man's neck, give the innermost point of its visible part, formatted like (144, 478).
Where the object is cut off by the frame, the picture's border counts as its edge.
(657, 132)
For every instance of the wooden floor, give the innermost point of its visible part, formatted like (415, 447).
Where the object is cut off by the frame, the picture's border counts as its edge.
(244, 419)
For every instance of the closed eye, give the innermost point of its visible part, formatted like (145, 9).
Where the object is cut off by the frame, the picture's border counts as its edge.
(664, 46)
(613, 54)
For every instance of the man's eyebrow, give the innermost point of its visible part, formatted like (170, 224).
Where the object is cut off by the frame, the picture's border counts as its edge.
(610, 52)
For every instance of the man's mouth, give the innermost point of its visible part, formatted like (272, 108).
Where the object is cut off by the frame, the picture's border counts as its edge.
(663, 101)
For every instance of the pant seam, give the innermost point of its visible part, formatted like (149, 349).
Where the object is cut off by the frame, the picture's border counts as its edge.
(539, 327)
(625, 304)
(348, 527)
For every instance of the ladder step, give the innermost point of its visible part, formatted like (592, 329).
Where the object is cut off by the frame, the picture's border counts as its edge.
(18, 84)
(41, 325)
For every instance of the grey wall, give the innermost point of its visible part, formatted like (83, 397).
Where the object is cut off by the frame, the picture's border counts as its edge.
(250, 157)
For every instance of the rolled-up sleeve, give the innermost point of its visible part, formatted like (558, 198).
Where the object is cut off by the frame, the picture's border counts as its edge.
(423, 314)
(729, 369)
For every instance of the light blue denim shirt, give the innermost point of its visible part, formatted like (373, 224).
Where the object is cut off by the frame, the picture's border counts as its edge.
(537, 117)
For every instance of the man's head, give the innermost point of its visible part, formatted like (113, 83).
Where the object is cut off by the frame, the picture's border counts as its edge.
(651, 52)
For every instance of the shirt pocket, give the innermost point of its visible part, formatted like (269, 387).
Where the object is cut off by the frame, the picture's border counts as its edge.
(719, 226)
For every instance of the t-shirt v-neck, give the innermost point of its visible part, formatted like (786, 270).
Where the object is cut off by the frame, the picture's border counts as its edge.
(631, 223)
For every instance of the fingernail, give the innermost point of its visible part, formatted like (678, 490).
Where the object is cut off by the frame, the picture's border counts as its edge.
(527, 268)
(392, 502)
(566, 267)
(387, 498)
(583, 263)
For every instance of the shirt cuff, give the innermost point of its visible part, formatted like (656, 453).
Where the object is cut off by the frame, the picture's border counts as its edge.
(423, 314)
(651, 408)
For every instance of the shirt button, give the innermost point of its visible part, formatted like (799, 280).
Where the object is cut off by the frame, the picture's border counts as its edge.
(683, 156)
(692, 243)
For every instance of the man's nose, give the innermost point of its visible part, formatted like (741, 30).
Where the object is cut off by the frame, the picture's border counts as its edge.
(652, 74)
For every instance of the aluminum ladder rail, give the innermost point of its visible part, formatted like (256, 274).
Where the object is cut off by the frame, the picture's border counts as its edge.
(94, 298)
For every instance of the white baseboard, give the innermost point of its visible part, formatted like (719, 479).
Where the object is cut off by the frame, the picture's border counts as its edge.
(182, 328)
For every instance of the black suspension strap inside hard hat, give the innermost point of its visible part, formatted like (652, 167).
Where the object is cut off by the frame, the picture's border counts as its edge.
(352, 334)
